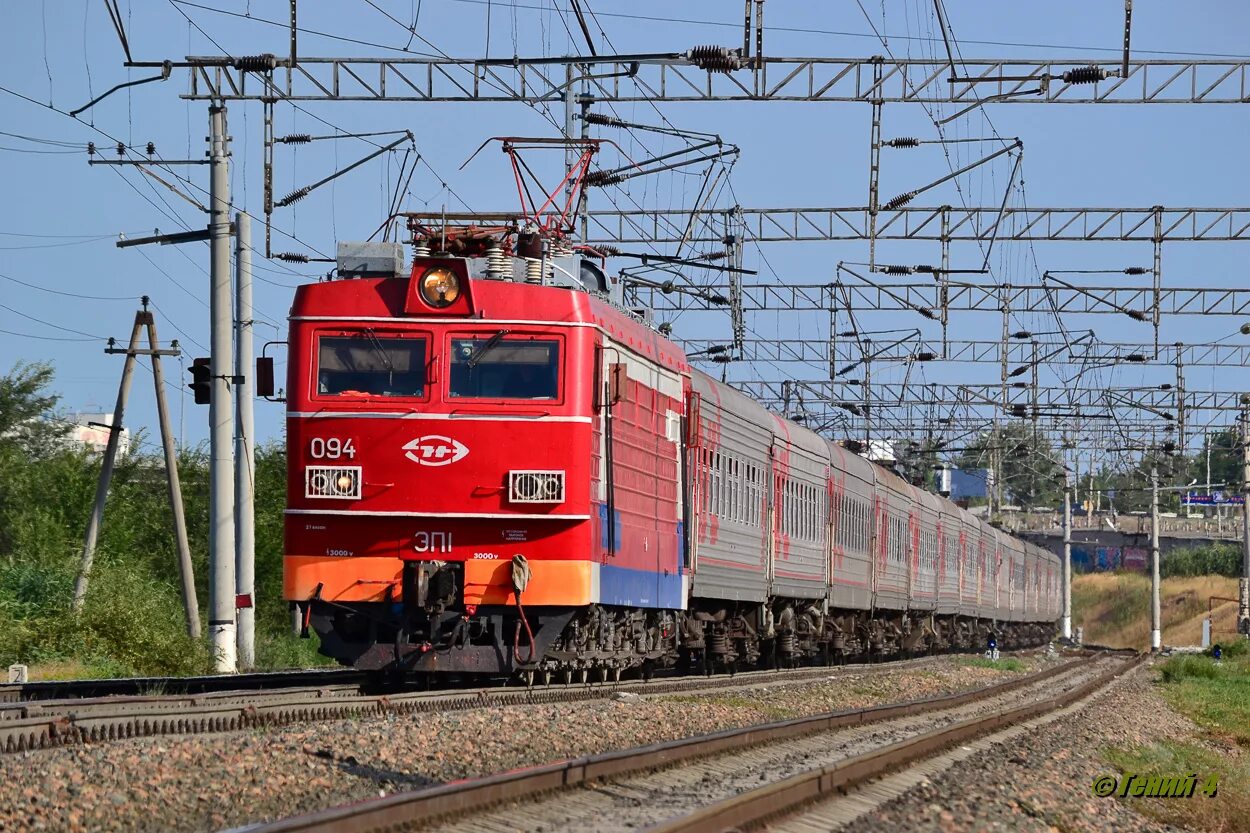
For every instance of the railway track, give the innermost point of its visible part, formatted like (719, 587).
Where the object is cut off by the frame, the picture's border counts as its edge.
(208, 684)
(40, 724)
(698, 780)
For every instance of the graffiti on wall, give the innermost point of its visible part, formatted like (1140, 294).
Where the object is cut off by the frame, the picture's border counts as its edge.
(1087, 558)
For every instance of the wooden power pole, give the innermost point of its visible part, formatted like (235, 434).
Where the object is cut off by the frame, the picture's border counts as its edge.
(143, 321)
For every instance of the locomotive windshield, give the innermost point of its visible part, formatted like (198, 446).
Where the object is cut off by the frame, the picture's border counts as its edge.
(501, 367)
(370, 365)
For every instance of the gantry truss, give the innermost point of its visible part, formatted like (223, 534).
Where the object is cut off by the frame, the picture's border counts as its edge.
(673, 77)
(1047, 399)
(961, 297)
(1019, 352)
(795, 225)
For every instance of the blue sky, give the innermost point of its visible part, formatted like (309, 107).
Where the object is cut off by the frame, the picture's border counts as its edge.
(59, 223)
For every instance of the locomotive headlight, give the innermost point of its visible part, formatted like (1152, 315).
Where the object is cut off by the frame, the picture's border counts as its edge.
(346, 483)
(440, 287)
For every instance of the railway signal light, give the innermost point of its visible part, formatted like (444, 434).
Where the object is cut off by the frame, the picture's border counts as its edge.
(201, 381)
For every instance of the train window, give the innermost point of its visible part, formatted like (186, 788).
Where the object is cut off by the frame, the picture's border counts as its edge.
(366, 364)
(501, 367)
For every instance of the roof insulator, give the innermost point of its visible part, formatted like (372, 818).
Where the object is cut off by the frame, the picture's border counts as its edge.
(1085, 75)
(603, 250)
(295, 139)
(903, 142)
(292, 257)
(715, 58)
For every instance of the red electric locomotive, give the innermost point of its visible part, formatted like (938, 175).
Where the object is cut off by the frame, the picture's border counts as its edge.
(496, 469)
(481, 468)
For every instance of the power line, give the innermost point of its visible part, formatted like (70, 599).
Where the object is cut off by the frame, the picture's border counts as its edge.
(49, 323)
(45, 338)
(286, 25)
(833, 32)
(70, 294)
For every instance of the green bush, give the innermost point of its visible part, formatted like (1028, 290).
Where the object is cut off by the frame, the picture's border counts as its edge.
(1212, 559)
(132, 621)
(1004, 664)
(1189, 666)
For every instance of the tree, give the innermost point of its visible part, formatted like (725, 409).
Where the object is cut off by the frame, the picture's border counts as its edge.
(916, 462)
(24, 398)
(1028, 464)
(1226, 460)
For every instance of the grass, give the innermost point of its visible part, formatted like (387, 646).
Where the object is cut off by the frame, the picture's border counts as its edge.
(280, 653)
(1006, 664)
(1227, 810)
(1114, 608)
(1216, 696)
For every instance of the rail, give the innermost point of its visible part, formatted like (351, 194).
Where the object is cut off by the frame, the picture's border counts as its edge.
(471, 795)
(37, 724)
(751, 809)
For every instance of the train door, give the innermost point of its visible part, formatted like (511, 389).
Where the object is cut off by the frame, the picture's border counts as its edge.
(776, 544)
(691, 448)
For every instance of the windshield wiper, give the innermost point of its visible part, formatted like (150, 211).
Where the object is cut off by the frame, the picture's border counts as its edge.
(376, 345)
(480, 352)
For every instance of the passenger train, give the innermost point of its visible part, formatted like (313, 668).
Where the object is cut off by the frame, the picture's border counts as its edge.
(497, 470)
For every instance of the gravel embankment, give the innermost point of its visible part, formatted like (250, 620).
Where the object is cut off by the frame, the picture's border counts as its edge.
(1043, 780)
(639, 800)
(213, 781)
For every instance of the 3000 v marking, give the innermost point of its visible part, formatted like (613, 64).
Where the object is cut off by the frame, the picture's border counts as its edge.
(331, 448)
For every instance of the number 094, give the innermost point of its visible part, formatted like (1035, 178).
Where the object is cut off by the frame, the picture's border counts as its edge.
(330, 448)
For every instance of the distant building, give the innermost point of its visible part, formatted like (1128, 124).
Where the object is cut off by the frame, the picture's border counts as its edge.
(968, 484)
(92, 431)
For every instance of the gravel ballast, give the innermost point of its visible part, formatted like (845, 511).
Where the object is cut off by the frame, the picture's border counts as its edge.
(209, 782)
(1042, 781)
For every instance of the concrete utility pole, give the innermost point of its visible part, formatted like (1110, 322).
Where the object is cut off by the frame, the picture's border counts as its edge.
(245, 459)
(1066, 622)
(1156, 615)
(221, 602)
(1243, 588)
